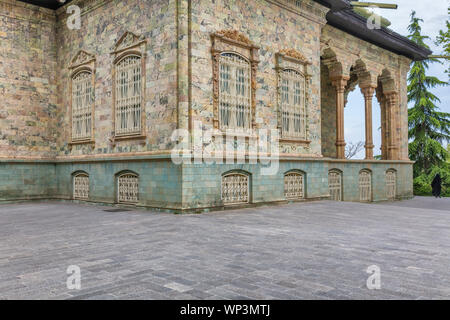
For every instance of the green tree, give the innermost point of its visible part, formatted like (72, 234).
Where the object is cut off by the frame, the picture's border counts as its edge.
(429, 128)
(443, 39)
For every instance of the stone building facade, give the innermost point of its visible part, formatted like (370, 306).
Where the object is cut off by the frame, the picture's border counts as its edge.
(95, 114)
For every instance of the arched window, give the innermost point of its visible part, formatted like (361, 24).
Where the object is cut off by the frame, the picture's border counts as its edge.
(294, 185)
(234, 92)
(335, 185)
(293, 104)
(365, 185)
(128, 188)
(128, 95)
(81, 186)
(82, 101)
(235, 188)
(391, 184)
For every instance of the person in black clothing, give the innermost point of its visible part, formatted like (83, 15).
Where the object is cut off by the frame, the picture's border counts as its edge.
(436, 185)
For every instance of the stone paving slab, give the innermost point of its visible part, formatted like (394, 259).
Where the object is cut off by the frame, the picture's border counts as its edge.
(316, 250)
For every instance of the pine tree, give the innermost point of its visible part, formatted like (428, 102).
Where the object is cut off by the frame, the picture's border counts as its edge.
(429, 128)
(443, 39)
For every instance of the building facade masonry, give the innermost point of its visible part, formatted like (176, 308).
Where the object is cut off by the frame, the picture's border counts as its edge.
(198, 105)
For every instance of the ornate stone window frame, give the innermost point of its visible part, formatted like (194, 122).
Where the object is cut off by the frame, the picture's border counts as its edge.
(235, 188)
(129, 44)
(335, 184)
(294, 185)
(291, 59)
(83, 61)
(234, 42)
(80, 189)
(127, 187)
(391, 184)
(365, 185)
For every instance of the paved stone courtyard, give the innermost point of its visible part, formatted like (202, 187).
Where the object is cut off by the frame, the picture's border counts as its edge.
(315, 250)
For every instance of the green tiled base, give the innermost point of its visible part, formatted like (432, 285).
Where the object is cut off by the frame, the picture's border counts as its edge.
(192, 187)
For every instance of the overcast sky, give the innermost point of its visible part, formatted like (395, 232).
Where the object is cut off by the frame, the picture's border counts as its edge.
(434, 14)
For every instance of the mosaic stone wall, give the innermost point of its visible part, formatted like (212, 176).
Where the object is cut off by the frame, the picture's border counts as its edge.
(271, 27)
(159, 181)
(207, 193)
(328, 114)
(27, 81)
(36, 50)
(26, 181)
(103, 22)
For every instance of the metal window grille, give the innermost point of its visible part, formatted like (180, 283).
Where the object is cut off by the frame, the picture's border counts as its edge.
(82, 100)
(234, 92)
(365, 186)
(81, 186)
(128, 96)
(235, 189)
(293, 105)
(128, 188)
(335, 185)
(391, 185)
(294, 186)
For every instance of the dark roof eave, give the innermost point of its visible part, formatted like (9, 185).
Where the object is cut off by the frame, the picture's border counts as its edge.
(342, 17)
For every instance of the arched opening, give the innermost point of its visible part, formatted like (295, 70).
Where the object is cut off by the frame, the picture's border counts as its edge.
(365, 185)
(127, 187)
(235, 188)
(234, 92)
(391, 184)
(335, 184)
(80, 180)
(294, 185)
(355, 126)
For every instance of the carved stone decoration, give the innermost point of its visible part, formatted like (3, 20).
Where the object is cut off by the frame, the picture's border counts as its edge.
(295, 54)
(82, 74)
(81, 58)
(235, 35)
(289, 60)
(232, 41)
(129, 63)
(128, 40)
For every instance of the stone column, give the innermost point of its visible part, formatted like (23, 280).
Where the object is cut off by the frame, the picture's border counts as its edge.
(368, 95)
(339, 83)
(392, 106)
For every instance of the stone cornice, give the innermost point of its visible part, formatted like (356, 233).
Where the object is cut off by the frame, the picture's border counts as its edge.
(307, 9)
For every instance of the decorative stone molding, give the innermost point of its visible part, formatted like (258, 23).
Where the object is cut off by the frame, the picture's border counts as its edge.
(235, 42)
(128, 45)
(295, 54)
(129, 41)
(305, 8)
(83, 61)
(291, 59)
(82, 58)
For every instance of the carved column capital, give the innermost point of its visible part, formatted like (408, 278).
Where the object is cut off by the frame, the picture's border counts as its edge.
(340, 82)
(368, 92)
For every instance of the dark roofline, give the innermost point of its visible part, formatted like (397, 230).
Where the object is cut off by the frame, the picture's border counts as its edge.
(342, 16)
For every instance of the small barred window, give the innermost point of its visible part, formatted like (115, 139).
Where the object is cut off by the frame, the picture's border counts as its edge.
(391, 184)
(128, 188)
(294, 187)
(234, 92)
(81, 186)
(235, 189)
(365, 186)
(82, 100)
(128, 96)
(335, 185)
(293, 105)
